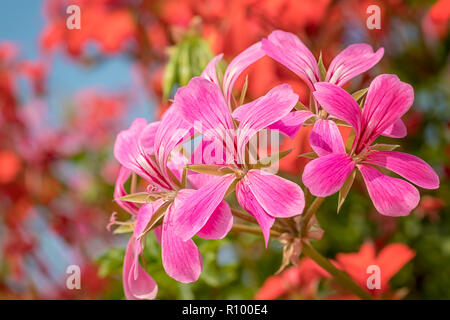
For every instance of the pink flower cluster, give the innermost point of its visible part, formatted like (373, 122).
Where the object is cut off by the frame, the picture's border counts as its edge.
(185, 198)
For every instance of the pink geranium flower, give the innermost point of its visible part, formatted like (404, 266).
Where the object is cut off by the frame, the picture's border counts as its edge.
(387, 101)
(264, 195)
(145, 149)
(289, 50)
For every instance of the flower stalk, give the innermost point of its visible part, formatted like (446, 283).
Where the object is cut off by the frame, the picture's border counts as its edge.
(315, 205)
(253, 230)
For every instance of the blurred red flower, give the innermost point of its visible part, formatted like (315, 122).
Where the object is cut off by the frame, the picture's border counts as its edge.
(302, 281)
(10, 165)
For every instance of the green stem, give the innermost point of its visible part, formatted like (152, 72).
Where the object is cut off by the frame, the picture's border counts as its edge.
(310, 213)
(340, 276)
(246, 217)
(254, 230)
(133, 183)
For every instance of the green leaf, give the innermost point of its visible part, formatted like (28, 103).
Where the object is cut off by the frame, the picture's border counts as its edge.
(156, 219)
(139, 197)
(231, 188)
(343, 192)
(384, 147)
(187, 59)
(350, 139)
(170, 73)
(309, 155)
(358, 95)
(110, 262)
(216, 170)
(310, 121)
(322, 69)
(244, 91)
(184, 67)
(184, 178)
(173, 178)
(123, 228)
(301, 106)
(341, 123)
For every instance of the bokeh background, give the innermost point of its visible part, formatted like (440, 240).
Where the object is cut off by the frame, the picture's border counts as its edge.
(64, 95)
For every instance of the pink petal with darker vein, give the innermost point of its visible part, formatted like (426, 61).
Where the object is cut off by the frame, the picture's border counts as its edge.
(391, 196)
(238, 65)
(181, 259)
(194, 212)
(289, 50)
(290, 124)
(325, 138)
(248, 201)
(326, 175)
(137, 284)
(396, 130)
(408, 166)
(279, 197)
(351, 62)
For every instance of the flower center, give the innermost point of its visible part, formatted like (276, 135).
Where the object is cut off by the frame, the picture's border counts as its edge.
(239, 173)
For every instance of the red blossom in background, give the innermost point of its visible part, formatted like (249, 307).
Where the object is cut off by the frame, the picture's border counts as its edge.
(302, 281)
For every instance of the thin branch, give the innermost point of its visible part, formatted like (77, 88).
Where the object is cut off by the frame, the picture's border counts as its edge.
(253, 230)
(310, 213)
(246, 217)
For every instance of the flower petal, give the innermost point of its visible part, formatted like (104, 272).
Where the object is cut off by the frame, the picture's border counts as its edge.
(290, 124)
(207, 152)
(273, 106)
(172, 131)
(248, 201)
(129, 151)
(141, 286)
(396, 130)
(238, 65)
(219, 224)
(202, 105)
(289, 50)
(325, 138)
(391, 259)
(210, 72)
(262, 112)
(126, 147)
(279, 197)
(144, 215)
(181, 259)
(195, 211)
(339, 104)
(326, 175)
(119, 192)
(351, 62)
(387, 101)
(408, 166)
(390, 196)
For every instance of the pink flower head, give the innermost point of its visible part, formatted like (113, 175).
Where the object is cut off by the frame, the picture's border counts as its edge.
(145, 149)
(266, 196)
(289, 50)
(388, 99)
